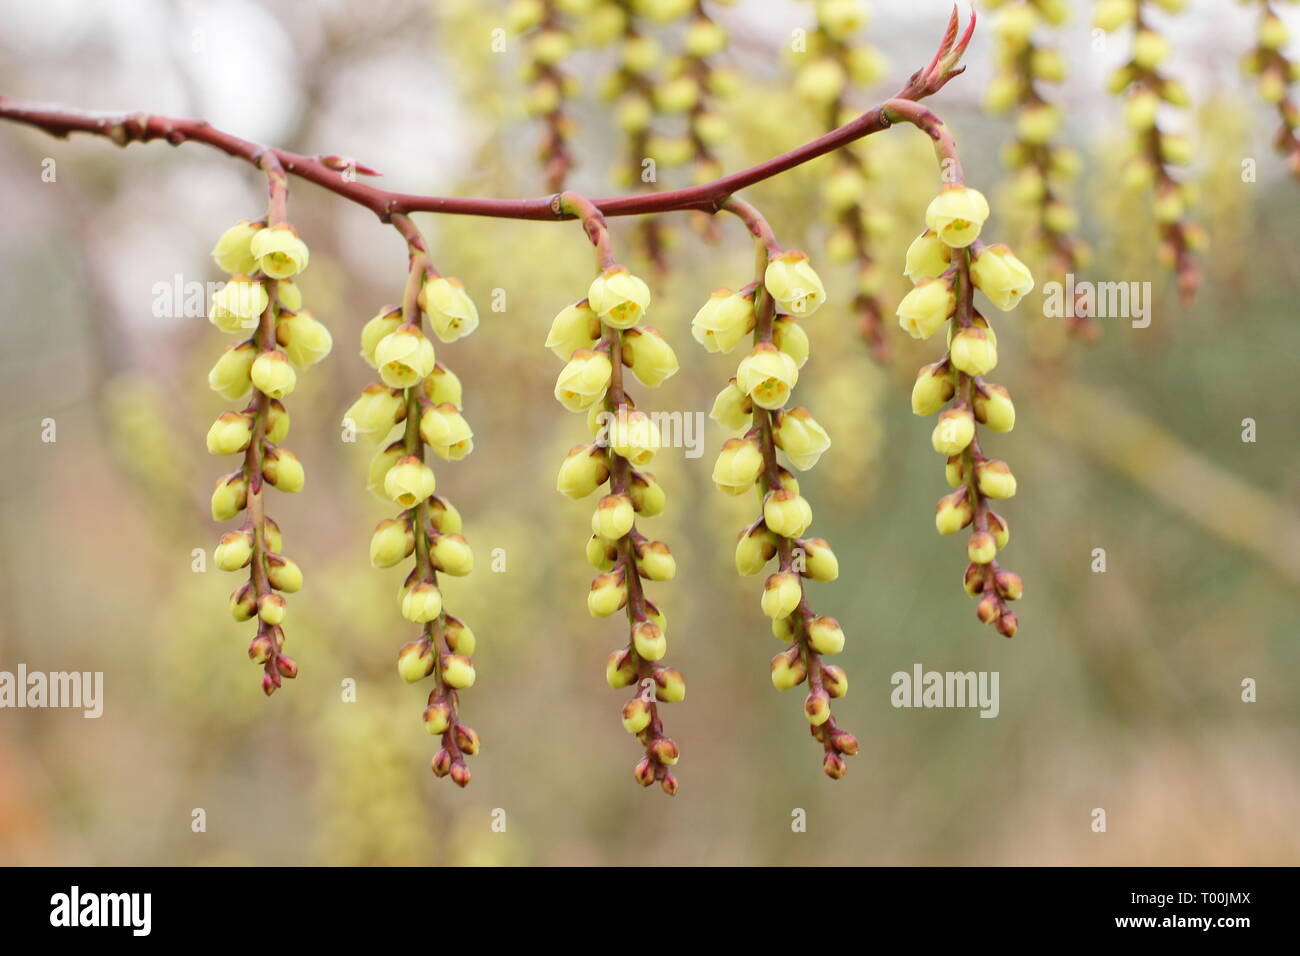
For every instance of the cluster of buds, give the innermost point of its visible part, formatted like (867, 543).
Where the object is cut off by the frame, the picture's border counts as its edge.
(756, 402)
(1276, 74)
(597, 337)
(835, 61)
(261, 301)
(947, 262)
(648, 84)
(1043, 167)
(1155, 151)
(416, 404)
(548, 43)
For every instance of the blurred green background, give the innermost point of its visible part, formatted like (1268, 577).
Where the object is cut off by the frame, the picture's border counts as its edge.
(1121, 691)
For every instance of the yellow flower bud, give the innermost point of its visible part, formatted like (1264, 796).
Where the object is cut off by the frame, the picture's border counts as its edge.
(787, 513)
(782, 593)
(844, 189)
(274, 539)
(655, 561)
(284, 574)
(442, 387)
(732, 408)
(649, 641)
(243, 602)
(422, 602)
(954, 430)
(376, 330)
(1037, 124)
(230, 496)
(374, 414)
(793, 284)
(284, 470)
(458, 635)
(704, 38)
(835, 681)
(677, 95)
(636, 715)
(825, 635)
(1140, 110)
(404, 357)
(451, 311)
(451, 553)
(458, 671)
(646, 493)
(443, 516)
(271, 608)
(232, 253)
(817, 708)
(620, 670)
(934, 387)
(1149, 49)
(994, 408)
(290, 296)
(1001, 532)
(304, 339)
(633, 113)
(954, 471)
(738, 466)
(608, 594)
(957, 214)
(790, 337)
(1272, 32)
(649, 355)
(272, 374)
(437, 717)
(800, 436)
(925, 309)
(277, 421)
(1112, 14)
(670, 687)
(1002, 93)
(973, 352)
(981, 549)
(767, 375)
(618, 297)
(756, 546)
(238, 305)
(613, 517)
(234, 550)
(230, 433)
(229, 377)
(279, 252)
(1014, 25)
(634, 435)
(601, 554)
(392, 541)
(409, 482)
(994, 479)
(820, 82)
(788, 669)
(379, 467)
(820, 562)
(1048, 65)
(583, 380)
(1002, 277)
(575, 327)
(724, 320)
(445, 430)
(415, 661)
(585, 468)
(928, 257)
(953, 512)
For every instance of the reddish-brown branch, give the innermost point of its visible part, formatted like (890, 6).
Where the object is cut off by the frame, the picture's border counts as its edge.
(338, 174)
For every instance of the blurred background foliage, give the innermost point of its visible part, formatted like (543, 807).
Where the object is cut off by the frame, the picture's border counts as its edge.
(1121, 691)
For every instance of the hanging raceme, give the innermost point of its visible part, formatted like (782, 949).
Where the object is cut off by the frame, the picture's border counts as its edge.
(418, 404)
(947, 262)
(756, 402)
(837, 60)
(1268, 61)
(548, 43)
(261, 257)
(1043, 166)
(1154, 149)
(597, 337)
